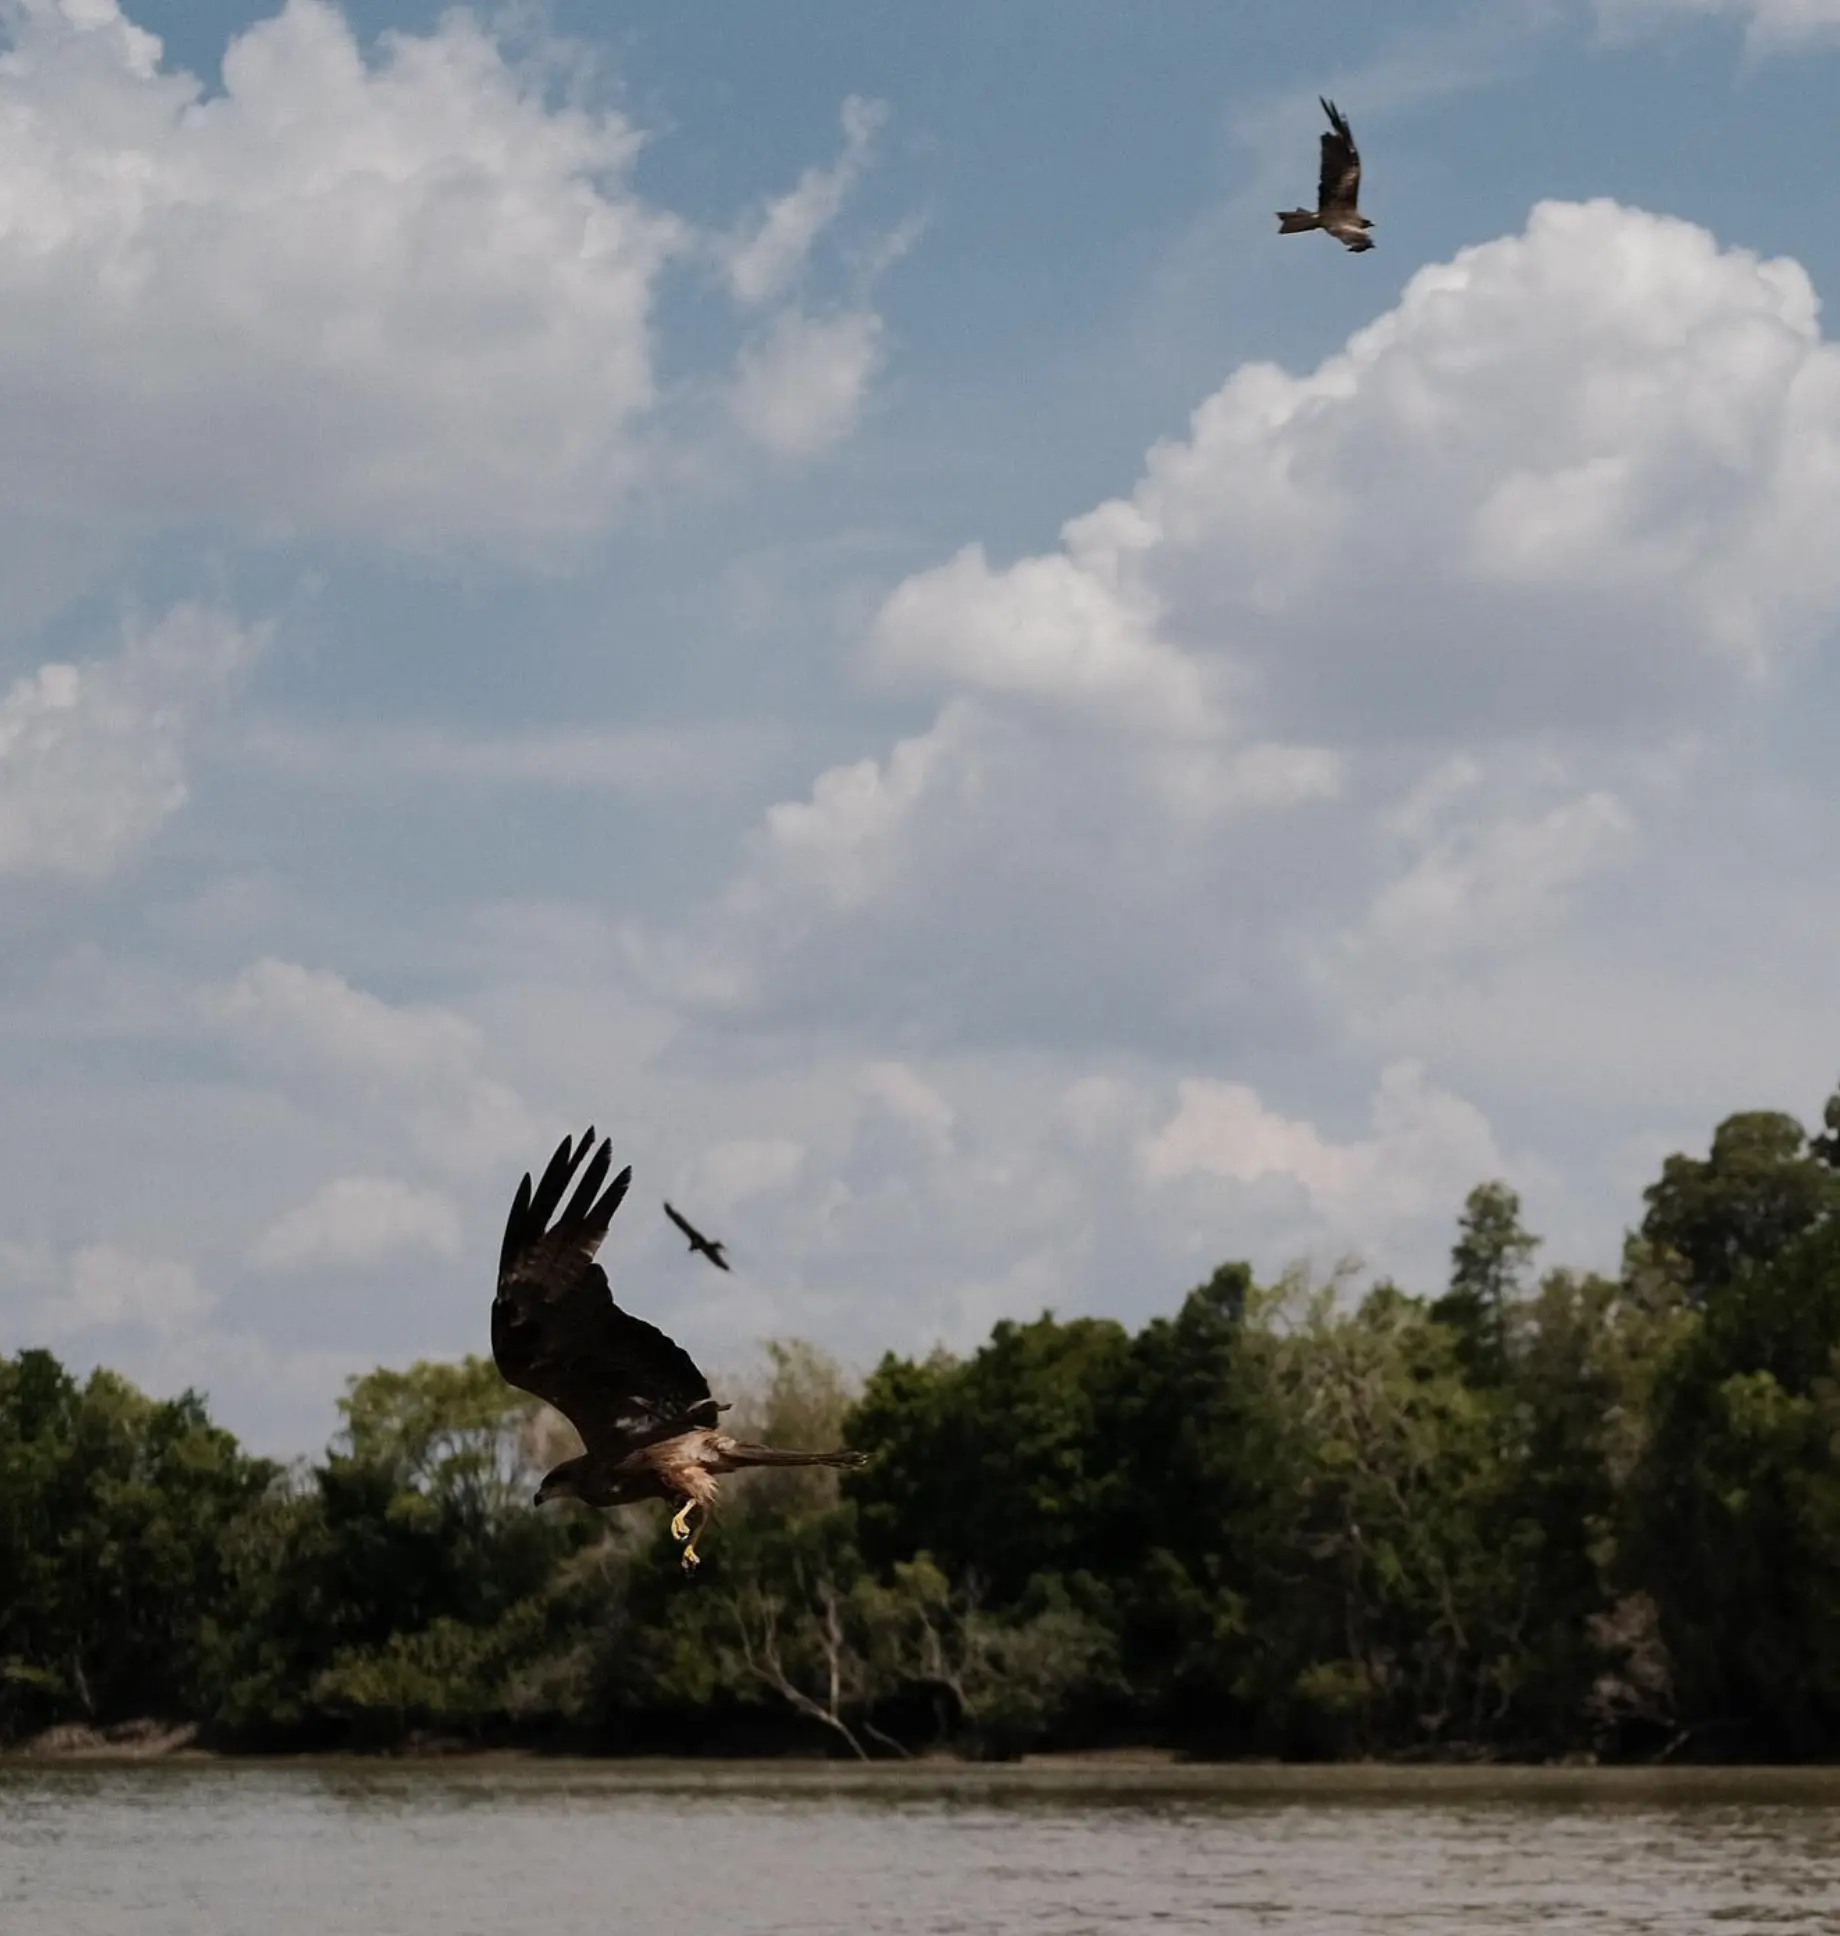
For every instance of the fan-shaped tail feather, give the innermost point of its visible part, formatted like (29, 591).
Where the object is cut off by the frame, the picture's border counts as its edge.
(743, 1454)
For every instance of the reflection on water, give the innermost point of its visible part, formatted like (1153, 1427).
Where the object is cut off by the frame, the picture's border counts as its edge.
(368, 1849)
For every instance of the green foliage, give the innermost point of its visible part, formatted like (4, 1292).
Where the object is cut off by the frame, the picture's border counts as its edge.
(116, 1514)
(1738, 1505)
(406, 1582)
(456, 1433)
(1487, 1263)
(1000, 1466)
(1595, 1513)
(1761, 1187)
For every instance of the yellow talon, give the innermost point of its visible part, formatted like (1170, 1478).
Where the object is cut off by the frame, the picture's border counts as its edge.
(691, 1560)
(680, 1526)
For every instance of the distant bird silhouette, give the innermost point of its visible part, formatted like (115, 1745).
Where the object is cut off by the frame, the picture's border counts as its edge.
(698, 1242)
(1338, 190)
(646, 1418)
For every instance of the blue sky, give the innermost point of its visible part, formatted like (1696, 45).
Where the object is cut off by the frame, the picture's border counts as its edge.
(815, 586)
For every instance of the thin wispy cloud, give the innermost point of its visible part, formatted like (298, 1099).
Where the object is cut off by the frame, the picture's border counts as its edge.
(763, 260)
(638, 761)
(1770, 26)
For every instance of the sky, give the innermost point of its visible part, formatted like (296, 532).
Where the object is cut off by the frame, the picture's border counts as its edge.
(816, 588)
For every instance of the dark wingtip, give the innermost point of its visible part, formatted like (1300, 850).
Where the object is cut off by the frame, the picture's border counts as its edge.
(531, 1214)
(514, 1226)
(581, 1206)
(554, 1181)
(602, 1213)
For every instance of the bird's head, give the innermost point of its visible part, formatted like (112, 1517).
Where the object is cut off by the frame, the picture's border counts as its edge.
(563, 1482)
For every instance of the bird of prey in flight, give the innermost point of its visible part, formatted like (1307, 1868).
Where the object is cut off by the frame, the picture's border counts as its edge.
(1338, 190)
(644, 1411)
(708, 1247)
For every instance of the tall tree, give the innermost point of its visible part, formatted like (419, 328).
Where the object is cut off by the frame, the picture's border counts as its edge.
(1761, 1186)
(1000, 1465)
(1737, 1507)
(117, 1513)
(1487, 1264)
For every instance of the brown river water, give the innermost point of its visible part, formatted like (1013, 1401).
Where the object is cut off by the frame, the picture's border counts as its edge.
(348, 1848)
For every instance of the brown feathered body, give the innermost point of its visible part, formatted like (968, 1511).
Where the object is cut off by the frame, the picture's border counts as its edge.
(644, 1411)
(1338, 191)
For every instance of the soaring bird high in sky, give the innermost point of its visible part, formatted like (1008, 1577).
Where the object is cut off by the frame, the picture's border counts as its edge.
(1338, 190)
(710, 1247)
(643, 1409)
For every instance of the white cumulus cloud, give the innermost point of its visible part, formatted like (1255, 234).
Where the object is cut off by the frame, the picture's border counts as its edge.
(1044, 628)
(798, 390)
(992, 865)
(1574, 476)
(357, 1221)
(418, 1071)
(399, 296)
(1565, 502)
(93, 754)
(110, 1288)
(1480, 879)
(1426, 1148)
(748, 1166)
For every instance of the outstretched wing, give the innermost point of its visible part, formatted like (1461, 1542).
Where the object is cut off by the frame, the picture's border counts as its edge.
(687, 1227)
(556, 1331)
(1339, 185)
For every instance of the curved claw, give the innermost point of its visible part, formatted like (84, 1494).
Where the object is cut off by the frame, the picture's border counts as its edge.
(680, 1523)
